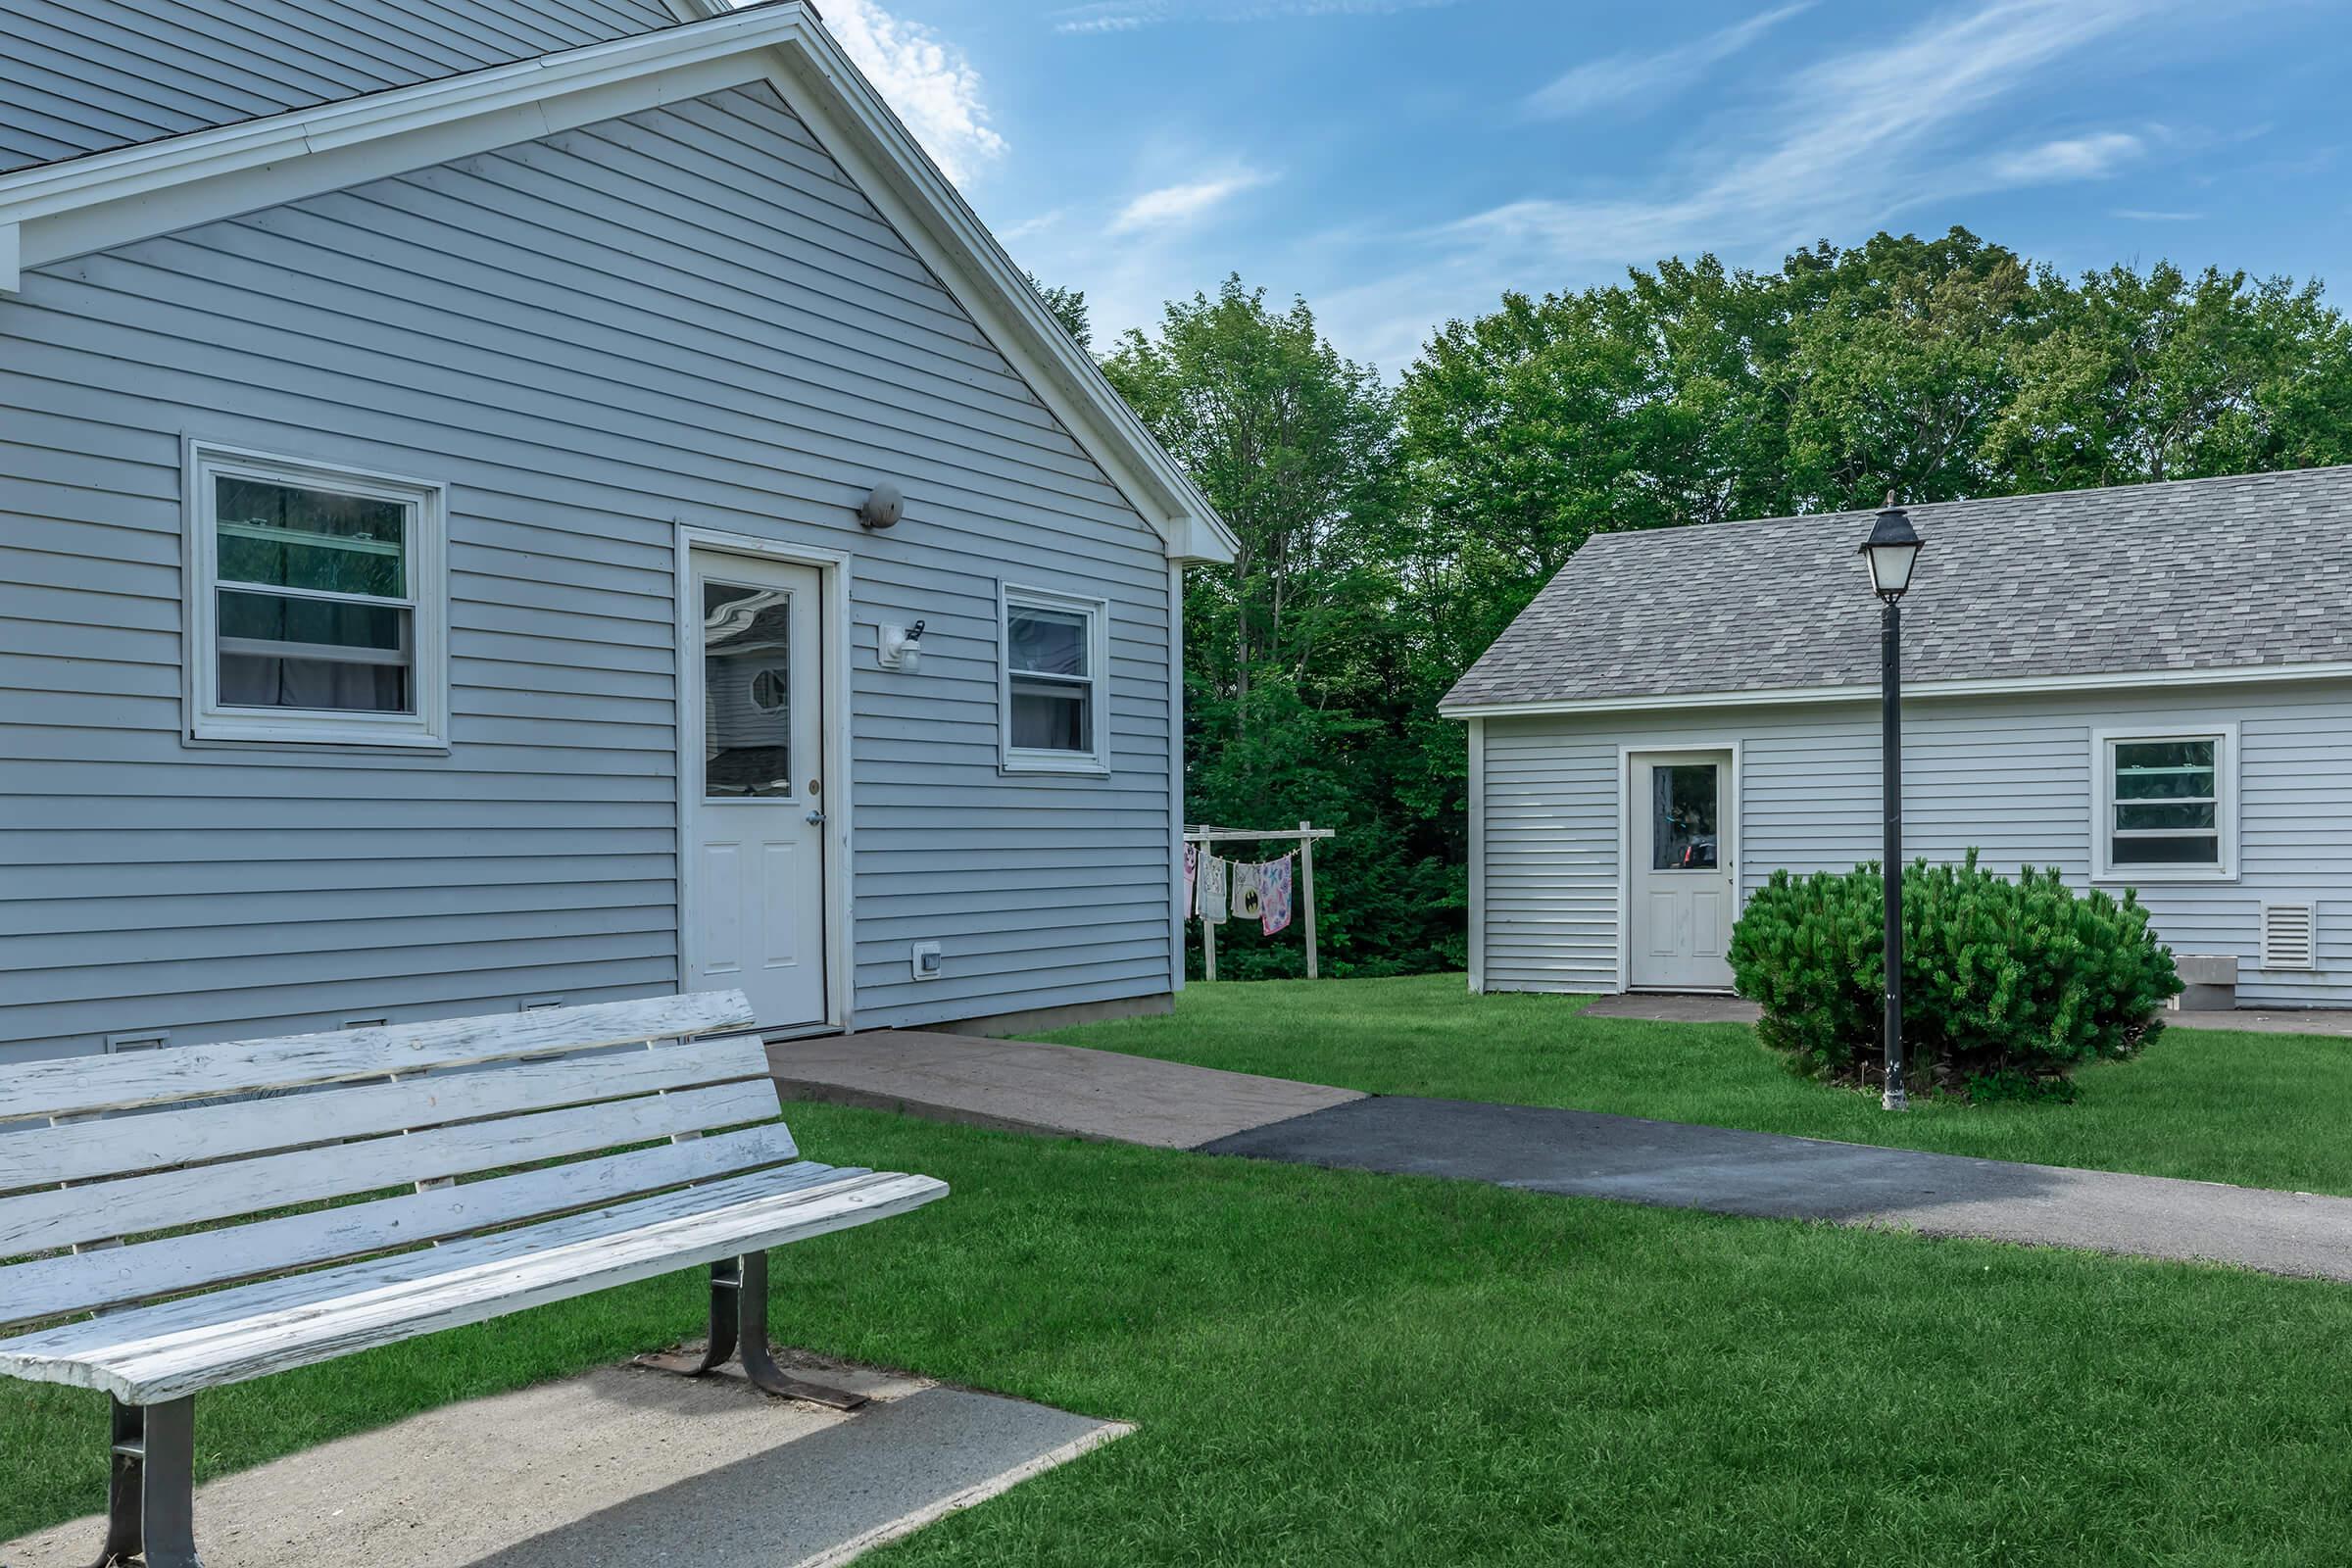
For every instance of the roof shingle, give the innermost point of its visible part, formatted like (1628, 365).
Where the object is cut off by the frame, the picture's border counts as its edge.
(2194, 574)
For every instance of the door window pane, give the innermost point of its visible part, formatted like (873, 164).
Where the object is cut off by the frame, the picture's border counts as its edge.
(747, 691)
(1681, 816)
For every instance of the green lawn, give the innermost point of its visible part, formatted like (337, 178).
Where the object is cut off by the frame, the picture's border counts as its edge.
(2261, 1110)
(1332, 1367)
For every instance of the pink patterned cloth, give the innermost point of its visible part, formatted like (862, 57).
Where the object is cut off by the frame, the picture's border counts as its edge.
(1274, 895)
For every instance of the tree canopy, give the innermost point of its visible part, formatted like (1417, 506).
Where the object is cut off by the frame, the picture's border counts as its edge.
(1387, 536)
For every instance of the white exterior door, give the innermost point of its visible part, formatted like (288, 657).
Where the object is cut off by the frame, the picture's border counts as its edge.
(1684, 887)
(755, 746)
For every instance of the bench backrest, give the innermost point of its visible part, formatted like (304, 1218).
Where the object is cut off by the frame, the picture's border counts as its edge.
(104, 1160)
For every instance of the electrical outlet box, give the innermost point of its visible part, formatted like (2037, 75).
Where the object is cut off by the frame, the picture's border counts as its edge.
(929, 963)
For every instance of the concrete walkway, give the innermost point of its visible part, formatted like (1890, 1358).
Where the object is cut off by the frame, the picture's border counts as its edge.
(623, 1466)
(1021, 1086)
(1673, 1165)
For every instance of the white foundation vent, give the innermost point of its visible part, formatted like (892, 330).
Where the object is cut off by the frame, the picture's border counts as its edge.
(2289, 939)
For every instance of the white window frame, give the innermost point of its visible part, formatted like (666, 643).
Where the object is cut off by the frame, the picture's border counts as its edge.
(2103, 743)
(208, 718)
(1029, 759)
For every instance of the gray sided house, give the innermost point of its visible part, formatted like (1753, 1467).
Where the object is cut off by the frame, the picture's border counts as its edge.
(2146, 688)
(442, 568)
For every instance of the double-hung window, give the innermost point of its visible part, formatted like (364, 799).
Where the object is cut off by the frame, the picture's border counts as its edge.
(315, 603)
(2166, 805)
(1056, 651)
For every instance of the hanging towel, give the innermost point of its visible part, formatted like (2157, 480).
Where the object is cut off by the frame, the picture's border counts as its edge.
(1192, 869)
(1212, 898)
(1274, 895)
(1247, 880)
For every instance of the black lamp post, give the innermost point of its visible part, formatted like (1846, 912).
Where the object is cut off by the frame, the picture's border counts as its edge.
(1891, 550)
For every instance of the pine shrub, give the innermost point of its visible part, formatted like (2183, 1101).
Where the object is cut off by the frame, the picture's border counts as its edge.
(2008, 985)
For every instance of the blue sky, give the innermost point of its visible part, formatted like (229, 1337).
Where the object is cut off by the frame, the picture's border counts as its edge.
(1401, 162)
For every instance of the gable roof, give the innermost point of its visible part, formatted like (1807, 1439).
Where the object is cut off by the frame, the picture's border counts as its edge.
(106, 198)
(85, 81)
(2248, 576)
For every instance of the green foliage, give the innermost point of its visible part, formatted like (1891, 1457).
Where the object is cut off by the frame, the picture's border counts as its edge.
(1388, 536)
(2008, 986)
(1068, 306)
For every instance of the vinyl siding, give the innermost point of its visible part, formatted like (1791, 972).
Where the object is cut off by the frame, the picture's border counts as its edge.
(687, 317)
(80, 76)
(2011, 778)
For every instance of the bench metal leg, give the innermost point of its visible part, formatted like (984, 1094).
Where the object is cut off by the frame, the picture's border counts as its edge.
(739, 1327)
(150, 1486)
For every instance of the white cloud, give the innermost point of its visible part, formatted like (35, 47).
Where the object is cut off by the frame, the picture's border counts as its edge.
(1836, 149)
(1171, 206)
(2141, 215)
(2074, 158)
(928, 81)
(1621, 79)
(1125, 16)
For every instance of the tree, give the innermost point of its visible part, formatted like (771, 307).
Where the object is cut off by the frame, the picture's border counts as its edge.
(1069, 306)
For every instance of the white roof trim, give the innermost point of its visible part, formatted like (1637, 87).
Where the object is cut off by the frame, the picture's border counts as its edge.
(1988, 686)
(57, 210)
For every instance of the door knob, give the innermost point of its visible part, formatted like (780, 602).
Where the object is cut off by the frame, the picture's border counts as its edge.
(815, 818)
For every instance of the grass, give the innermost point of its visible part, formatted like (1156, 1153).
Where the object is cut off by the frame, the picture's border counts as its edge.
(1332, 1368)
(2259, 1110)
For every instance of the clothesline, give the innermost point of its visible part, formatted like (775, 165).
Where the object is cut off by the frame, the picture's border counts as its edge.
(1262, 890)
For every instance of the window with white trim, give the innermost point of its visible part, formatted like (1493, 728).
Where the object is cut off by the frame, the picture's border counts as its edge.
(2167, 805)
(316, 603)
(1054, 655)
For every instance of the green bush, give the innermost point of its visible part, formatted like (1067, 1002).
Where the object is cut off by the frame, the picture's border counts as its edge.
(2008, 986)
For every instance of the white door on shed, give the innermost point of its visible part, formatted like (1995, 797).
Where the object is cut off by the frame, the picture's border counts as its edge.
(1684, 887)
(753, 755)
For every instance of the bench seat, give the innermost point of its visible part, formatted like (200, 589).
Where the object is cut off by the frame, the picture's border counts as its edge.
(146, 1355)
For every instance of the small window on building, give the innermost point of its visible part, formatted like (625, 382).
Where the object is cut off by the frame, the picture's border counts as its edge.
(2166, 806)
(315, 607)
(1053, 699)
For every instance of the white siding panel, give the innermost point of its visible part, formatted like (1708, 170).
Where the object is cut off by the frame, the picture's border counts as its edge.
(688, 316)
(2010, 778)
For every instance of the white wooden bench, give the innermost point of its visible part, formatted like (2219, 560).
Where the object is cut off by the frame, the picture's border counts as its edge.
(106, 1165)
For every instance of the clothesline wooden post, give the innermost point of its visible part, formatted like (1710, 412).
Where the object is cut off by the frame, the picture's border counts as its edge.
(1305, 836)
(1306, 890)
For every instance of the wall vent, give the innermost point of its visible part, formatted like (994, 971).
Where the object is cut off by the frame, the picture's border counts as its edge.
(2289, 939)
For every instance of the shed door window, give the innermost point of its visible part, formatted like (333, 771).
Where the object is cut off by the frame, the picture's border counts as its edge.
(318, 601)
(1053, 682)
(1684, 798)
(2165, 806)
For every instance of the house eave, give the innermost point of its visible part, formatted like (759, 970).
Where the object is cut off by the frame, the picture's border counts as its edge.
(55, 212)
(1988, 686)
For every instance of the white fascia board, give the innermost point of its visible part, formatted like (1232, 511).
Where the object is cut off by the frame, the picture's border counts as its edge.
(1988, 686)
(133, 193)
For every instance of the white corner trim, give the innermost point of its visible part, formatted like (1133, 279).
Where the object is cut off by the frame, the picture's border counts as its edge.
(1477, 789)
(90, 204)
(11, 257)
(1988, 686)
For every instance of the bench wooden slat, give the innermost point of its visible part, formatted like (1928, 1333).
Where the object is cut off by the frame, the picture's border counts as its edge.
(36, 1221)
(159, 1353)
(79, 1085)
(44, 1155)
(51, 1287)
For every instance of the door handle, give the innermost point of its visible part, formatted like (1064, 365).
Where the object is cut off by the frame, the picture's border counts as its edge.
(815, 818)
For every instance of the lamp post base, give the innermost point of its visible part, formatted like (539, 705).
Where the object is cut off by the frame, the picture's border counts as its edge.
(1893, 1100)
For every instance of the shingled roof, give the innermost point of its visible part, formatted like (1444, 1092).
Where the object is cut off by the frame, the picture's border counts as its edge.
(2196, 575)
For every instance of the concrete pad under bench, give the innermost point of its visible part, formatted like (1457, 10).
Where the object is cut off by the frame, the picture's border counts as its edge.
(1022, 1086)
(624, 1465)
